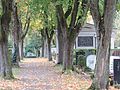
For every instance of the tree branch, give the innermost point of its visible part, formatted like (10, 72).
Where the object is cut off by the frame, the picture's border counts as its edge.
(82, 17)
(26, 20)
(94, 8)
(46, 31)
(74, 13)
(68, 12)
(51, 34)
(61, 17)
(27, 28)
(42, 33)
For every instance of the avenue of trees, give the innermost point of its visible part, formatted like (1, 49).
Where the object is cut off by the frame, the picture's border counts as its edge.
(41, 19)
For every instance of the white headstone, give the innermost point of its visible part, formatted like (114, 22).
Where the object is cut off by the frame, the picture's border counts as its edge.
(91, 60)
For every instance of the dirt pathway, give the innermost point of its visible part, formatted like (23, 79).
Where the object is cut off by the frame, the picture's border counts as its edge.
(39, 74)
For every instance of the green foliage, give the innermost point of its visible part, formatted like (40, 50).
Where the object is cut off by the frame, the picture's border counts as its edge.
(0, 9)
(85, 52)
(81, 64)
(87, 69)
(118, 5)
(81, 61)
(101, 6)
(43, 14)
(81, 58)
(33, 43)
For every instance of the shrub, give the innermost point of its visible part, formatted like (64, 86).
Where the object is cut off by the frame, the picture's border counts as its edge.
(81, 61)
(87, 69)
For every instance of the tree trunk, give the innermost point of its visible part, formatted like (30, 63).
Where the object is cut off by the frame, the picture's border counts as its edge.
(16, 55)
(38, 51)
(21, 50)
(2, 64)
(5, 21)
(45, 48)
(68, 54)
(67, 57)
(60, 44)
(49, 36)
(42, 48)
(103, 25)
(7, 62)
(15, 33)
(49, 51)
(101, 80)
(70, 31)
(23, 35)
(6, 68)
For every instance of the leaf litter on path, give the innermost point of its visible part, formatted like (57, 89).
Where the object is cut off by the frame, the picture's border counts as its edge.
(40, 74)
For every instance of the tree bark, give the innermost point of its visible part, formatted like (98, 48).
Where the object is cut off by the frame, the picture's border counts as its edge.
(38, 53)
(6, 68)
(42, 48)
(21, 50)
(7, 62)
(49, 51)
(49, 36)
(103, 25)
(71, 31)
(2, 64)
(5, 21)
(68, 55)
(60, 43)
(45, 48)
(44, 44)
(16, 33)
(23, 35)
(20, 41)
(43, 37)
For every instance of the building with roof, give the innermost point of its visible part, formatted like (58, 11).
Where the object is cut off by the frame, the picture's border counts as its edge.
(87, 38)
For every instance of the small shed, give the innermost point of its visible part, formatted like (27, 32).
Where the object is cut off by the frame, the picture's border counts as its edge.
(87, 38)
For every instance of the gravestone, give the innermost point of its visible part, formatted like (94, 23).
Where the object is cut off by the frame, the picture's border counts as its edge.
(117, 71)
(112, 61)
(91, 61)
(85, 41)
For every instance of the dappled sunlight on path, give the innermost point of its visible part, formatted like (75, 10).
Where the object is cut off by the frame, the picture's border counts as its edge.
(40, 74)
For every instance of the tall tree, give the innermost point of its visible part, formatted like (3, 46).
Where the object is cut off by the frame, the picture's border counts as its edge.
(77, 14)
(60, 43)
(23, 33)
(15, 34)
(23, 18)
(5, 19)
(103, 21)
(49, 30)
(49, 35)
(45, 11)
(43, 41)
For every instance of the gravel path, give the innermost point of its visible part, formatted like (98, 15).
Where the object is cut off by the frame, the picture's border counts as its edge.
(40, 74)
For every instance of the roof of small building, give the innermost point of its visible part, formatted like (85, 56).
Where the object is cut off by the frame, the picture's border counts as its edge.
(88, 27)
